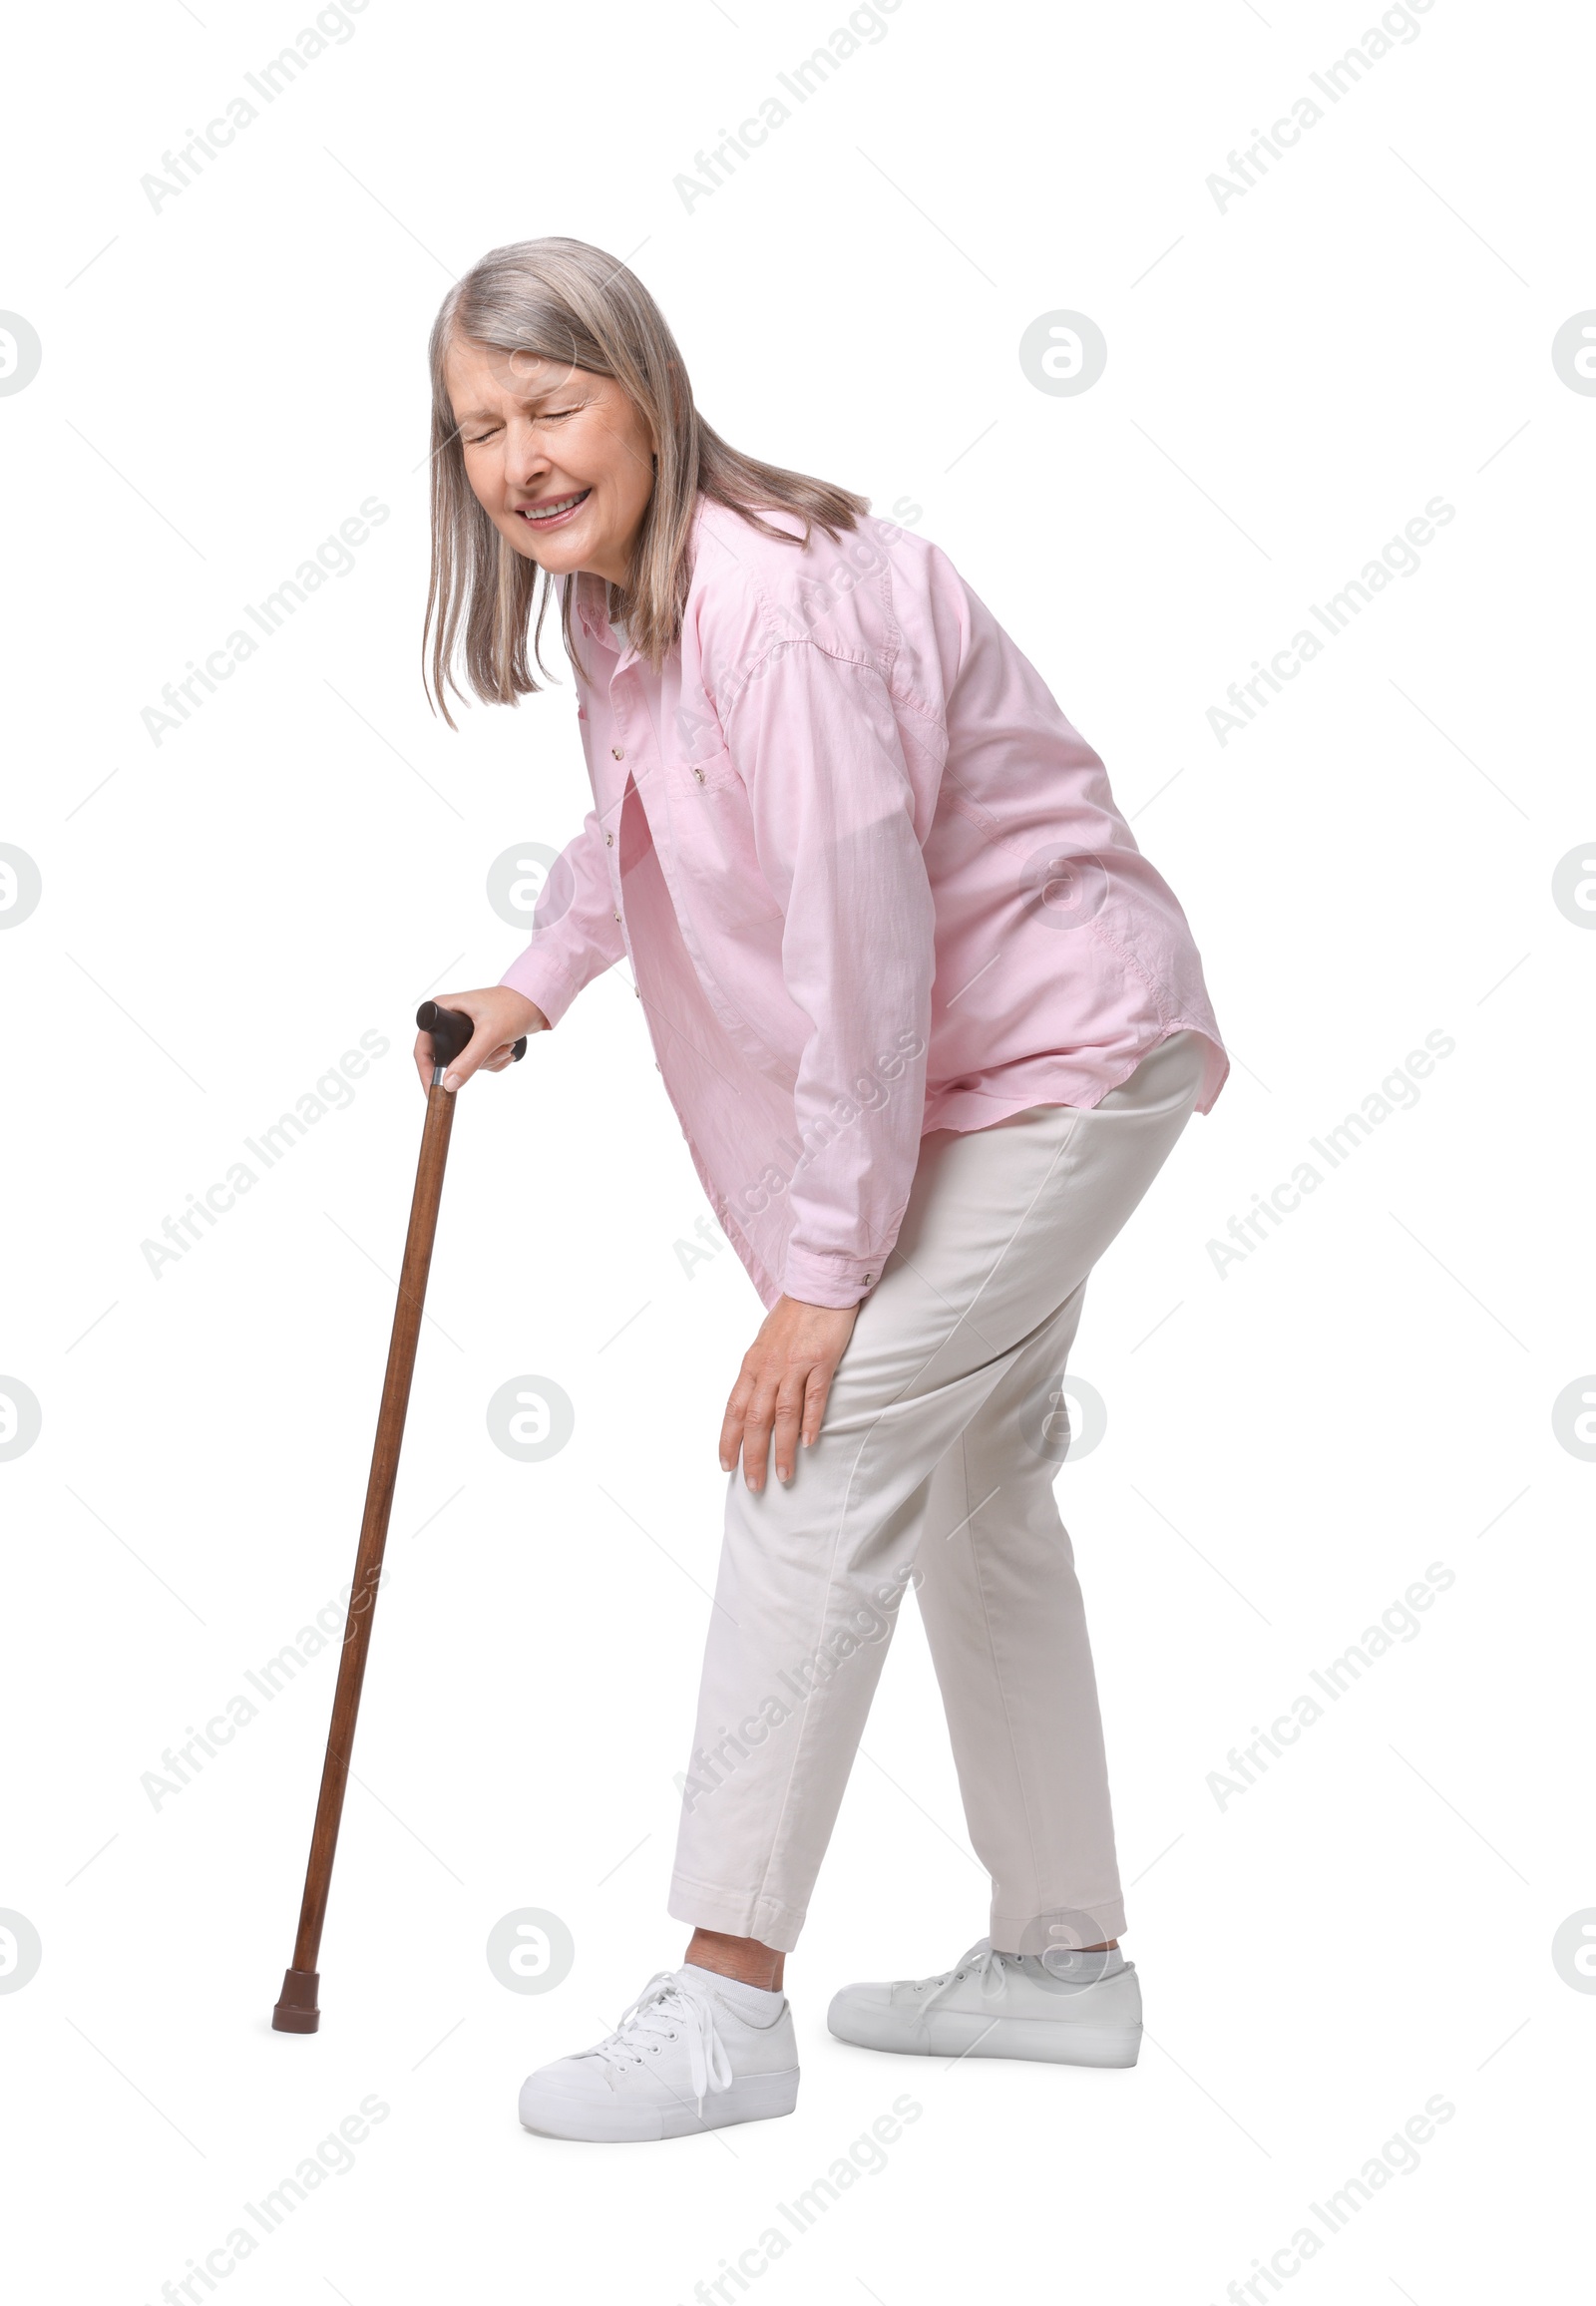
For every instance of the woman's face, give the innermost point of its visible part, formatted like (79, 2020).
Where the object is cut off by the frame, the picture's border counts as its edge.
(538, 433)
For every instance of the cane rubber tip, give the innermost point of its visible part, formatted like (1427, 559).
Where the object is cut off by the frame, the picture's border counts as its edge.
(297, 2011)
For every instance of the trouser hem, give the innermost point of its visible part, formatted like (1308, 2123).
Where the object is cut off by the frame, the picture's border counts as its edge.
(1011, 1932)
(735, 1912)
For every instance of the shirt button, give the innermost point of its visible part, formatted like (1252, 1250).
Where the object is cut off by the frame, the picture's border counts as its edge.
(698, 773)
(617, 916)
(610, 840)
(616, 753)
(869, 1277)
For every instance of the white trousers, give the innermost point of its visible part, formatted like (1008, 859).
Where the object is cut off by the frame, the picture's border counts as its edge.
(936, 1466)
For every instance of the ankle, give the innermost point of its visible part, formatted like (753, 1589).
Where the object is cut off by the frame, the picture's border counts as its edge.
(744, 1959)
(1106, 1946)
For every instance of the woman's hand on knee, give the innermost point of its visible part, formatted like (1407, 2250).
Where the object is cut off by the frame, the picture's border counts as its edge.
(781, 1391)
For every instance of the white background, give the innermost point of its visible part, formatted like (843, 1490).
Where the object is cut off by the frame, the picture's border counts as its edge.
(224, 379)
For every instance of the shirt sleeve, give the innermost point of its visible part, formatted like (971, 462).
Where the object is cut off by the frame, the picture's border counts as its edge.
(575, 932)
(817, 742)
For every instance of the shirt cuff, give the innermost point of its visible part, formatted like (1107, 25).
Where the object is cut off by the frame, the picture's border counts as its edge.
(837, 1281)
(542, 978)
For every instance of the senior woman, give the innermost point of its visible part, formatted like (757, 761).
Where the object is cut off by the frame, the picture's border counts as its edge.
(932, 1024)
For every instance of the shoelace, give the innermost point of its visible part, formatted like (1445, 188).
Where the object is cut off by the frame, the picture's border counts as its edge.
(981, 1962)
(666, 2009)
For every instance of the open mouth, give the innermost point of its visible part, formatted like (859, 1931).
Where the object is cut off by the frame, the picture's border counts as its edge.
(557, 508)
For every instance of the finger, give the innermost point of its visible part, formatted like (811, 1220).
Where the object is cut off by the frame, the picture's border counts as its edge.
(731, 1424)
(471, 1059)
(816, 1394)
(789, 1414)
(758, 1419)
(487, 1035)
(423, 1054)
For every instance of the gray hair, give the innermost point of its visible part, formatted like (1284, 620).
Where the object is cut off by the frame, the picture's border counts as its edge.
(568, 302)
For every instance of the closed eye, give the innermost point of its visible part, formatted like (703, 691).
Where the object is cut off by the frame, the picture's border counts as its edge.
(475, 440)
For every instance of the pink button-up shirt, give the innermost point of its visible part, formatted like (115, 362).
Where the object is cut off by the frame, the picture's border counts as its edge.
(871, 881)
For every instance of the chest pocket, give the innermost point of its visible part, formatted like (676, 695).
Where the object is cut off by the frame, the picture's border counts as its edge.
(713, 840)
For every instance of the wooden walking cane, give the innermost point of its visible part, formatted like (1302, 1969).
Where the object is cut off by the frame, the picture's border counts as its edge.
(298, 2012)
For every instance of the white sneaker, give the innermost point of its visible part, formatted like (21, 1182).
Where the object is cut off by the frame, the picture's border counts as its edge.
(999, 2006)
(694, 2052)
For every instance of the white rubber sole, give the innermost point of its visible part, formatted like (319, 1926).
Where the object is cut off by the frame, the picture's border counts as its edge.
(954, 2033)
(752, 2097)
